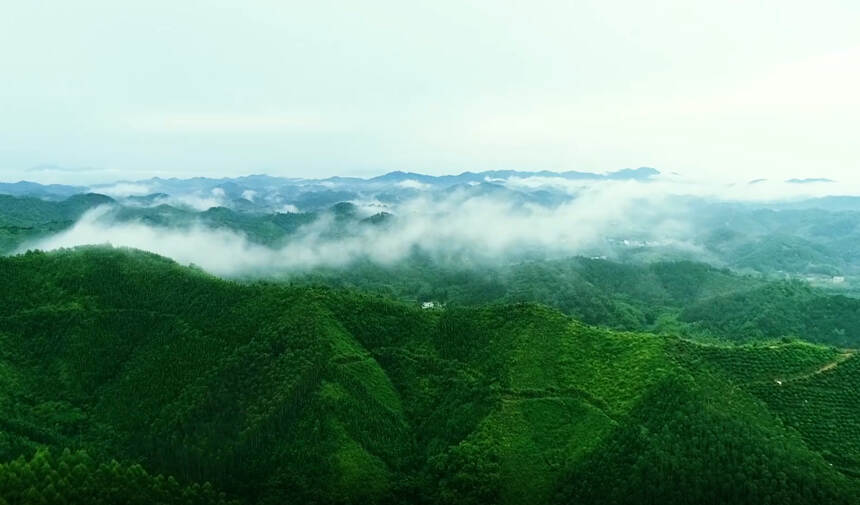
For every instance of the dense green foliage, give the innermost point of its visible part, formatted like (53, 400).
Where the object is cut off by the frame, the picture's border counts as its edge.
(301, 394)
(76, 479)
(812, 389)
(29, 218)
(679, 297)
(779, 309)
(678, 448)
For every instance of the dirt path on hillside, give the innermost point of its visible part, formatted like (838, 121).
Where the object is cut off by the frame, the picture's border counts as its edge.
(841, 358)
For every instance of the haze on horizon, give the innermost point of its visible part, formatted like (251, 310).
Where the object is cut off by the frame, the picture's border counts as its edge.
(729, 90)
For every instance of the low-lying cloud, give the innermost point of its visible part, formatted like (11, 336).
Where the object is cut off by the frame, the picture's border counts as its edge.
(597, 219)
(457, 226)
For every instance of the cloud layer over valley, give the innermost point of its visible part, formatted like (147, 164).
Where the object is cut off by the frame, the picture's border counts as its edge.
(480, 222)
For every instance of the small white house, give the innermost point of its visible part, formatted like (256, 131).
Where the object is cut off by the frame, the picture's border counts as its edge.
(428, 305)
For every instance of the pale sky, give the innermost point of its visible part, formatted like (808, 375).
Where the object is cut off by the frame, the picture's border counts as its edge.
(715, 89)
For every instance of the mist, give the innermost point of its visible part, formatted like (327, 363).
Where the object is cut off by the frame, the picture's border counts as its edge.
(598, 220)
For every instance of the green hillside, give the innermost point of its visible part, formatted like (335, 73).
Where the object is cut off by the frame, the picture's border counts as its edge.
(678, 298)
(779, 309)
(297, 394)
(24, 219)
(27, 218)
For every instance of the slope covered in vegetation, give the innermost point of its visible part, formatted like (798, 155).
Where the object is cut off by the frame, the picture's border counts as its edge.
(677, 297)
(297, 394)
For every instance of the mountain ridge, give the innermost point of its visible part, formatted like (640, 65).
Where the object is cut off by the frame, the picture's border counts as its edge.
(27, 188)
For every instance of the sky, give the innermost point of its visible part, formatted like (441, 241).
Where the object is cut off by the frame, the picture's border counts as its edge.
(94, 91)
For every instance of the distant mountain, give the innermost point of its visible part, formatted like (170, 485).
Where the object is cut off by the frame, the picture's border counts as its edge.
(829, 203)
(146, 199)
(399, 176)
(641, 173)
(809, 180)
(264, 193)
(27, 188)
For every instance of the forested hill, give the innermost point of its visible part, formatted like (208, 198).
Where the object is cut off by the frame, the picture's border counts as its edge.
(273, 394)
(675, 297)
